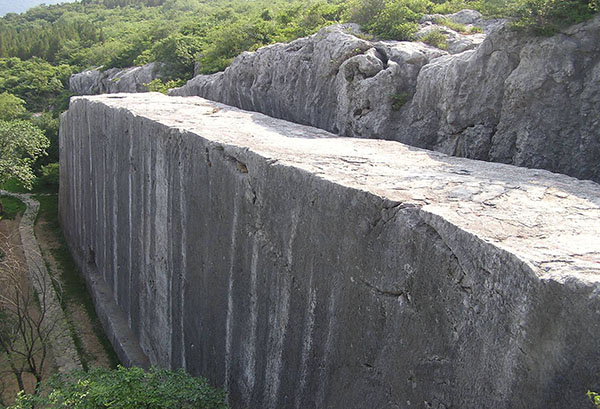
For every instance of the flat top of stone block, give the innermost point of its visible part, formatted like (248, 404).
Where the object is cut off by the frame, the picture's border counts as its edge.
(549, 221)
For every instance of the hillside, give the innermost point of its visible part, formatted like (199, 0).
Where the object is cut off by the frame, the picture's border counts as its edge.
(9, 6)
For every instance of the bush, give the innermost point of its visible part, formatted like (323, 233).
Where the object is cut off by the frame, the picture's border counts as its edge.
(595, 398)
(546, 17)
(157, 85)
(397, 19)
(459, 28)
(435, 38)
(48, 180)
(125, 388)
(399, 99)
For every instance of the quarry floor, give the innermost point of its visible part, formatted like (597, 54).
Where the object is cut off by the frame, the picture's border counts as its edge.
(92, 347)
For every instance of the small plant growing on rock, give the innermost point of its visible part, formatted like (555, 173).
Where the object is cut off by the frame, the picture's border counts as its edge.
(595, 398)
(452, 25)
(436, 39)
(399, 99)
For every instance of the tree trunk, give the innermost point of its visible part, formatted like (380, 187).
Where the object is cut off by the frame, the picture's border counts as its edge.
(19, 377)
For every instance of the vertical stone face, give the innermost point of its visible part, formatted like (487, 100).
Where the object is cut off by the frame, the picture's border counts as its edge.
(302, 272)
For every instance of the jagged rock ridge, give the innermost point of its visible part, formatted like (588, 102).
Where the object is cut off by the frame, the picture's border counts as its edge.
(527, 101)
(114, 80)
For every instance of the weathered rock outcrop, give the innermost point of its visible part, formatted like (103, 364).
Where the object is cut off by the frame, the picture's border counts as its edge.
(304, 271)
(114, 80)
(531, 102)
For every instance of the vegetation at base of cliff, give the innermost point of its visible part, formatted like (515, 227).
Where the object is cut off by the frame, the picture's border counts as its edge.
(73, 285)
(124, 388)
(12, 207)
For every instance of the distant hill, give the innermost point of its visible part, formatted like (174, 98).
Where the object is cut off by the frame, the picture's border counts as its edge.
(20, 6)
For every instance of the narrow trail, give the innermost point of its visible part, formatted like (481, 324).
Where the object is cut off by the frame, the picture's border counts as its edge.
(63, 348)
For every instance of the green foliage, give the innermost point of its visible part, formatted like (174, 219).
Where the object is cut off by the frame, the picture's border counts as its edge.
(21, 143)
(158, 85)
(11, 107)
(36, 81)
(125, 389)
(12, 207)
(435, 38)
(48, 180)
(391, 19)
(595, 398)
(459, 28)
(547, 16)
(399, 99)
(49, 124)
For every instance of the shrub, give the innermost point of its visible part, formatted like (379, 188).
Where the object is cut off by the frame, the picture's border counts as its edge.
(460, 28)
(48, 180)
(157, 85)
(435, 38)
(399, 99)
(595, 398)
(398, 19)
(125, 388)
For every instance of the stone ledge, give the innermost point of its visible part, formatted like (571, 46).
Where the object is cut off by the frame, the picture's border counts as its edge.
(548, 220)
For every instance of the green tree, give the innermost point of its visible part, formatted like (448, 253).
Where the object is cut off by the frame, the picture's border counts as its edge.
(11, 107)
(21, 143)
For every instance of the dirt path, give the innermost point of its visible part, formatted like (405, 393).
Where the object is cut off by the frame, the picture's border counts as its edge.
(62, 346)
(10, 237)
(91, 350)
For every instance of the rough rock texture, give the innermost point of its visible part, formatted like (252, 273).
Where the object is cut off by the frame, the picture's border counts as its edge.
(114, 80)
(531, 102)
(305, 271)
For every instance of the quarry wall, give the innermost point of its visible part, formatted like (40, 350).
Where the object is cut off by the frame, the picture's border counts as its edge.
(301, 270)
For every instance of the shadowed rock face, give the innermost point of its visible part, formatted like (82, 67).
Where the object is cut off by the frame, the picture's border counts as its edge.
(114, 80)
(530, 102)
(300, 270)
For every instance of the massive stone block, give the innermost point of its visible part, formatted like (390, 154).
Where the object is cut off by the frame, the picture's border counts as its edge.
(302, 270)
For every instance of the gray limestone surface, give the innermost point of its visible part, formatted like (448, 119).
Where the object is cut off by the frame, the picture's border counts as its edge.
(510, 98)
(302, 270)
(114, 80)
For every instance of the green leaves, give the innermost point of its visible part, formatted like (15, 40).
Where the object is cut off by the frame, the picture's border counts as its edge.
(11, 107)
(126, 388)
(594, 397)
(21, 143)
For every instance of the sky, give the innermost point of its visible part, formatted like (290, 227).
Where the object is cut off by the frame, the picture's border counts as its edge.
(19, 6)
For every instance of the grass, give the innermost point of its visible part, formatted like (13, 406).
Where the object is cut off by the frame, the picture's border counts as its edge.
(13, 185)
(458, 27)
(73, 284)
(12, 207)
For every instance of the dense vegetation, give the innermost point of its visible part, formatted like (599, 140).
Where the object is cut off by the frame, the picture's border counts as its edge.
(124, 388)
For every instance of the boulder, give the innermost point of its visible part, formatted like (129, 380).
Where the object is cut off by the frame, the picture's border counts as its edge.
(114, 80)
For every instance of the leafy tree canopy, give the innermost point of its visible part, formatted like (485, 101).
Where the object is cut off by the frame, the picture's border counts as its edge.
(21, 143)
(11, 107)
